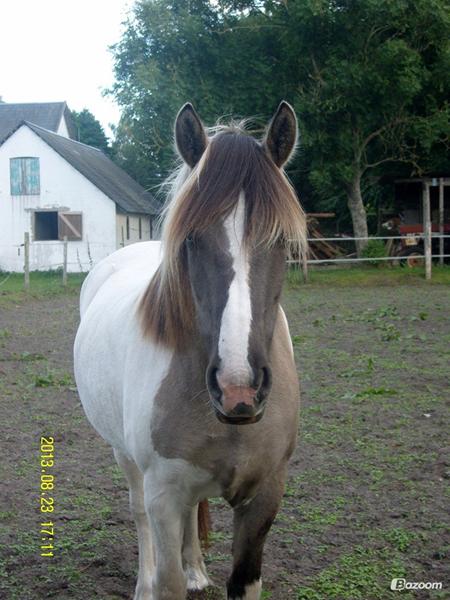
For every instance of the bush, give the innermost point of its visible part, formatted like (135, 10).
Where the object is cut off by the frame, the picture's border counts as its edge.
(374, 249)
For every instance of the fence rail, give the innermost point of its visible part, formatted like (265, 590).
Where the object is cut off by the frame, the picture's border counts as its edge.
(305, 262)
(364, 259)
(62, 259)
(376, 237)
(26, 266)
(427, 254)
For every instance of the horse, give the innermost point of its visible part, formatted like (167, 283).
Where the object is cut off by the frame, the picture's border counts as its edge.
(183, 358)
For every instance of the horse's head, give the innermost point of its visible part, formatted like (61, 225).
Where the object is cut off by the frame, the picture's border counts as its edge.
(236, 290)
(228, 227)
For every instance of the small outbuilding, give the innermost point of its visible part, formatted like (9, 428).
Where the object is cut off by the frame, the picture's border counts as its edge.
(55, 188)
(419, 215)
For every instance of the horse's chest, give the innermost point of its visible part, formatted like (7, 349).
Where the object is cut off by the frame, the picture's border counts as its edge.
(233, 458)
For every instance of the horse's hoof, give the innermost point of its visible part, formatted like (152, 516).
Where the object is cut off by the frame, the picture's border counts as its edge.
(197, 579)
(252, 592)
(143, 591)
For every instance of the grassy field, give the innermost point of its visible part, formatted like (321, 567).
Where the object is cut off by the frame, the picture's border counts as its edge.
(49, 284)
(370, 276)
(366, 496)
(42, 285)
(373, 356)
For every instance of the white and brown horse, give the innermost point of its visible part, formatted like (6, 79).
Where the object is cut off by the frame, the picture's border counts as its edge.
(183, 358)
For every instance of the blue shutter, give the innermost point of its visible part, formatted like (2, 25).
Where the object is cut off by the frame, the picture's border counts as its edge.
(25, 176)
(32, 179)
(15, 172)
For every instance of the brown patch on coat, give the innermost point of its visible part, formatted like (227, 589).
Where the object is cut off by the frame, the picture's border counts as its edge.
(238, 458)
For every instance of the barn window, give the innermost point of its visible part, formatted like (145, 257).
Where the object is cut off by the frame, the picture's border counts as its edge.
(54, 225)
(24, 176)
(140, 228)
(128, 228)
(45, 225)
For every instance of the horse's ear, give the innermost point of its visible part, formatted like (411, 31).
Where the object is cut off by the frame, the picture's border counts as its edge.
(190, 135)
(281, 136)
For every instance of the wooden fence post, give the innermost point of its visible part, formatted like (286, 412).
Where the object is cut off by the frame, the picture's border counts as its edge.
(64, 279)
(441, 220)
(305, 266)
(26, 263)
(427, 228)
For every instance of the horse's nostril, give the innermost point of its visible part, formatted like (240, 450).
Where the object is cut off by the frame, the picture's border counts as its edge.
(212, 383)
(264, 382)
(266, 378)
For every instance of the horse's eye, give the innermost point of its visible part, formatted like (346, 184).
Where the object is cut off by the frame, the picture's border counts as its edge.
(192, 240)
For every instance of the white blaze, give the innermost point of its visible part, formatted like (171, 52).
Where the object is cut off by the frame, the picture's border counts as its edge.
(237, 315)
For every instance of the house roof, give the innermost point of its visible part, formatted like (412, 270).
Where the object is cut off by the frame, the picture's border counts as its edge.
(127, 193)
(44, 114)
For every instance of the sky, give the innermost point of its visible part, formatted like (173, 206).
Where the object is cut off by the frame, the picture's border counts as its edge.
(55, 50)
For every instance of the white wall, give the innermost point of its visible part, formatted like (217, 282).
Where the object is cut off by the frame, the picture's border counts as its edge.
(62, 129)
(121, 231)
(61, 187)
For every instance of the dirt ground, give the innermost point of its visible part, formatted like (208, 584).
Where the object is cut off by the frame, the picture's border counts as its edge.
(365, 500)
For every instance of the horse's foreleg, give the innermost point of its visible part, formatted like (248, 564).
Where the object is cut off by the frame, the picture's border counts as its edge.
(137, 506)
(193, 564)
(252, 522)
(168, 515)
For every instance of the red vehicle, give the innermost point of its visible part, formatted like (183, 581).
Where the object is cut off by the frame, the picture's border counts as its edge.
(411, 243)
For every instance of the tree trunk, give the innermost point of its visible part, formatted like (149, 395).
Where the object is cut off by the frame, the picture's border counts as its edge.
(358, 213)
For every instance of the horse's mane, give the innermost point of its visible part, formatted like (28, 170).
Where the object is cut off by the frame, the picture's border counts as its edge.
(233, 162)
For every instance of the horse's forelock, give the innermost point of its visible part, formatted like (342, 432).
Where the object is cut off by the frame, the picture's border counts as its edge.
(233, 162)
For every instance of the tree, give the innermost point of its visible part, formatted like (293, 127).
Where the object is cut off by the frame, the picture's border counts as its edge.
(369, 80)
(178, 52)
(367, 93)
(89, 130)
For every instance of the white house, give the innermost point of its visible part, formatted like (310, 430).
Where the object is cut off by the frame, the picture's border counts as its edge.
(52, 187)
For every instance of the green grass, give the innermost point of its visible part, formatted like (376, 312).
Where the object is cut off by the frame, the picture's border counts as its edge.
(50, 378)
(359, 575)
(369, 276)
(49, 283)
(42, 284)
(365, 504)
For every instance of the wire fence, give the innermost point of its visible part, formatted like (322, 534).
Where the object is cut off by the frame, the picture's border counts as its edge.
(83, 256)
(422, 252)
(366, 259)
(420, 244)
(377, 237)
